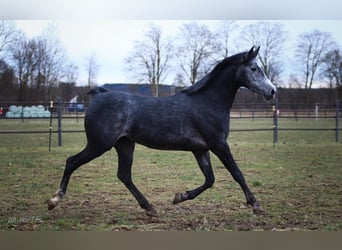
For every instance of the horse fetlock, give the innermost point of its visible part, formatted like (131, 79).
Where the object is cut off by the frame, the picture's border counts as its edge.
(53, 202)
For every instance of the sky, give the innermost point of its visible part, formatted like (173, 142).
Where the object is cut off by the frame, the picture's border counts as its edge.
(175, 9)
(112, 40)
(109, 27)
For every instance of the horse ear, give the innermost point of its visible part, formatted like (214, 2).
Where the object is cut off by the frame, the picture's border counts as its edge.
(253, 52)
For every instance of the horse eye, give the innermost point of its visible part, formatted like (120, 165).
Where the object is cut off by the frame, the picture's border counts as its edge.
(253, 69)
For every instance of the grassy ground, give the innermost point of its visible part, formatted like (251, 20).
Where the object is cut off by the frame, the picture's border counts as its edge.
(298, 182)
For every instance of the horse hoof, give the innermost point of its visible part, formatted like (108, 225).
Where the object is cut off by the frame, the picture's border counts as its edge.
(151, 212)
(258, 211)
(257, 208)
(178, 198)
(51, 204)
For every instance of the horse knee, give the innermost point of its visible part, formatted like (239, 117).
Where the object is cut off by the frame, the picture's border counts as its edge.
(124, 177)
(210, 181)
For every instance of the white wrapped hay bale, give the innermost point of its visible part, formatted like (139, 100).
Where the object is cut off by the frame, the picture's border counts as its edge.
(27, 112)
(26, 109)
(40, 111)
(13, 109)
(9, 114)
(20, 109)
(40, 108)
(33, 109)
(46, 113)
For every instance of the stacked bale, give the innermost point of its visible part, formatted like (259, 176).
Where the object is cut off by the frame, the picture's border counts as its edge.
(27, 112)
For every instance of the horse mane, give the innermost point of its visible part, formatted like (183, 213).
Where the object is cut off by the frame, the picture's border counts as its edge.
(97, 90)
(207, 79)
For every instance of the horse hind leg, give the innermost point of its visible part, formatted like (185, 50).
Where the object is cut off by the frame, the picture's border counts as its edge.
(224, 154)
(72, 163)
(125, 149)
(203, 160)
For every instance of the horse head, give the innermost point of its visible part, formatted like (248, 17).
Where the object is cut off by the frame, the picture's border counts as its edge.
(252, 76)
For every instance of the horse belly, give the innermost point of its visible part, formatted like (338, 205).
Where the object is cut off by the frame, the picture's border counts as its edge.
(182, 144)
(168, 137)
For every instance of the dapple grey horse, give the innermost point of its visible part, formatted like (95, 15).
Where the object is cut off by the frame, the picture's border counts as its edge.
(196, 120)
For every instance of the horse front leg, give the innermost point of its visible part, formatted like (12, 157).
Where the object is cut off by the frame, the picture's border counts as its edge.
(224, 154)
(125, 149)
(203, 160)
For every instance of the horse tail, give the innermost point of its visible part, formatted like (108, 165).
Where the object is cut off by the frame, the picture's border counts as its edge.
(98, 90)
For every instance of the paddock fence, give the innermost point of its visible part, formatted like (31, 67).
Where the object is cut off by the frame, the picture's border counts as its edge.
(276, 113)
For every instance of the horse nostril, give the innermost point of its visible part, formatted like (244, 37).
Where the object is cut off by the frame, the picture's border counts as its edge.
(273, 92)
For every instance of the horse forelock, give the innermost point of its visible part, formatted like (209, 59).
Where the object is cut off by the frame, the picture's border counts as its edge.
(217, 70)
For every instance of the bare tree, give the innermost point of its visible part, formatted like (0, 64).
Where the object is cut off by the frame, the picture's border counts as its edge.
(179, 80)
(7, 82)
(92, 69)
(150, 58)
(38, 63)
(332, 67)
(70, 73)
(51, 59)
(224, 35)
(19, 52)
(67, 86)
(270, 37)
(197, 48)
(311, 48)
(8, 33)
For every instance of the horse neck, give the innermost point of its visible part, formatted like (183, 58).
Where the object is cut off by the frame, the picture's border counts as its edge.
(224, 88)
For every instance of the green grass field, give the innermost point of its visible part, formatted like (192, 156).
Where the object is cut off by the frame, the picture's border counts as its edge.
(298, 182)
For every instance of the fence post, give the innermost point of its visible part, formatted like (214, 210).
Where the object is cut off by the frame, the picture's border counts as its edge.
(316, 112)
(59, 103)
(50, 127)
(275, 121)
(337, 120)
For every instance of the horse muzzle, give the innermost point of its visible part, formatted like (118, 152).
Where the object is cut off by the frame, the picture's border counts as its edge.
(271, 94)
